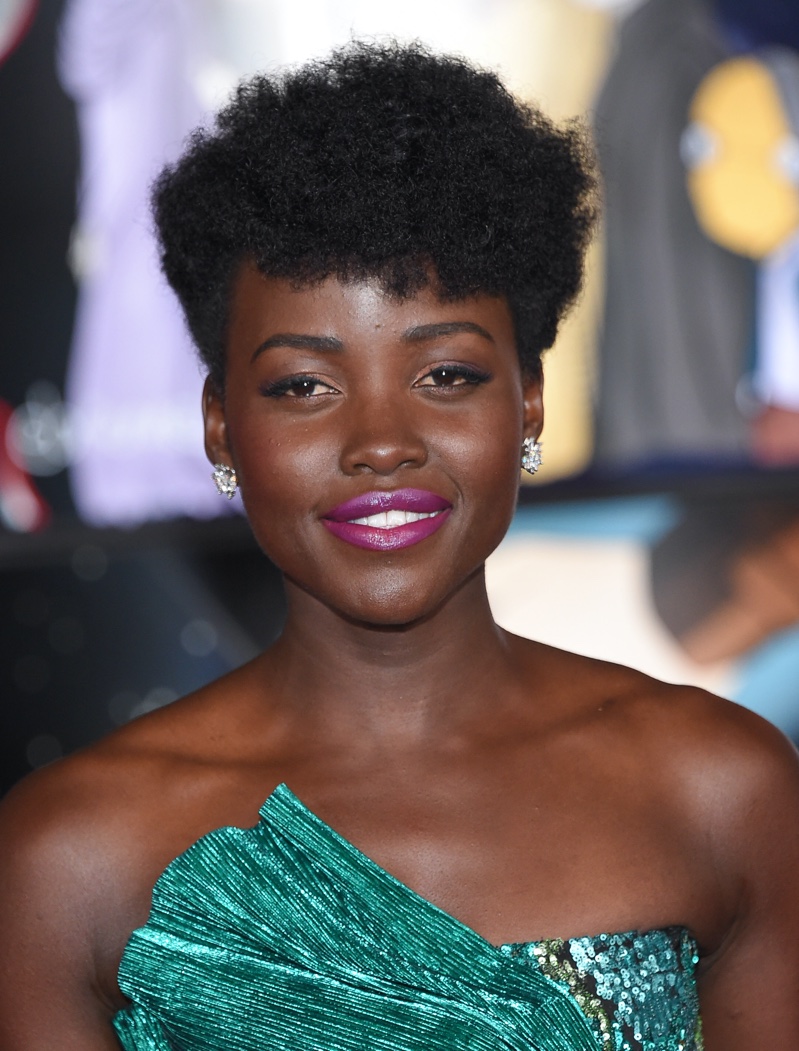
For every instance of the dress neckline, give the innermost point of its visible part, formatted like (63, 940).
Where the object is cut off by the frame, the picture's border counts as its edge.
(282, 802)
(284, 808)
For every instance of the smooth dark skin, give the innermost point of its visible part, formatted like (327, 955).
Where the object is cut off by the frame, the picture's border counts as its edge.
(527, 791)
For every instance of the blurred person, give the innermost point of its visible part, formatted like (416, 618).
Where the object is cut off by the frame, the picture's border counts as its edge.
(741, 150)
(704, 369)
(133, 68)
(726, 579)
(678, 307)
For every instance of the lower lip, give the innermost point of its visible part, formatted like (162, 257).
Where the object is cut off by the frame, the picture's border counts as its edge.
(387, 539)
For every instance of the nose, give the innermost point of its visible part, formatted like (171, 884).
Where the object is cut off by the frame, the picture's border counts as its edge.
(383, 435)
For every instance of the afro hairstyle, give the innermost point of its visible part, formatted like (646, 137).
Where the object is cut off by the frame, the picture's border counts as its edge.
(382, 162)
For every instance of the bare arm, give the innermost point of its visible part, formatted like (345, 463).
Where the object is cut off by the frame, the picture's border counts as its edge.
(749, 987)
(50, 994)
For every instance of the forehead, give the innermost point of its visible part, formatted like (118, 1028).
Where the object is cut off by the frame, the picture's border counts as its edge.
(350, 310)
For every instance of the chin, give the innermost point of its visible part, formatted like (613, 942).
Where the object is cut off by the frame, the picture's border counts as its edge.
(399, 609)
(396, 615)
(389, 619)
(402, 603)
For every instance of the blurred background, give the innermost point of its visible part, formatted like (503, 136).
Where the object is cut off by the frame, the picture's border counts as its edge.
(663, 530)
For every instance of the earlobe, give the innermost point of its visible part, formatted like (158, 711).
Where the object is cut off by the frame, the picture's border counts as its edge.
(216, 445)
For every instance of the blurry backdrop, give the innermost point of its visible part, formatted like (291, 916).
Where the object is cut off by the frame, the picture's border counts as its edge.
(663, 530)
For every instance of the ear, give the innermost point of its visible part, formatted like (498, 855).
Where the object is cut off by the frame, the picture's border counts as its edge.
(533, 395)
(216, 444)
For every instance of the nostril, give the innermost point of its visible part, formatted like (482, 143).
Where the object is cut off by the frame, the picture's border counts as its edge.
(383, 453)
(386, 461)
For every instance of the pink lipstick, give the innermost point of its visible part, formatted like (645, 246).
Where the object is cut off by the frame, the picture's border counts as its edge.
(387, 521)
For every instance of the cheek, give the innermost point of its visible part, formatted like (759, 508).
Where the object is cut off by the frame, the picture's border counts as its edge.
(488, 446)
(273, 460)
(281, 472)
(485, 460)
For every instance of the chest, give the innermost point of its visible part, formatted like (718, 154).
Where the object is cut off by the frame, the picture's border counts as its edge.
(294, 936)
(514, 853)
(520, 857)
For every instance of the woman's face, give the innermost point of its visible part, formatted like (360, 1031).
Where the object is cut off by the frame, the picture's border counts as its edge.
(376, 441)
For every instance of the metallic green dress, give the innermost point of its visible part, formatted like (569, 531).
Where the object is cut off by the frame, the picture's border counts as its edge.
(285, 937)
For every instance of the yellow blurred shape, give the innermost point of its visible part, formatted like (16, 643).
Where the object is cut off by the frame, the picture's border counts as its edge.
(742, 199)
(556, 53)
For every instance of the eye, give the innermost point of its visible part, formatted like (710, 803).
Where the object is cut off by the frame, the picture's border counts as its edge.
(451, 376)
(301, 386)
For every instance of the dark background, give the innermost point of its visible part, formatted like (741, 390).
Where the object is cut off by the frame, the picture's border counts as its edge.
(95, 625)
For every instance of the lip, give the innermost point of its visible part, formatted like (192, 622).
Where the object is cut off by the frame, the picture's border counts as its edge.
(339, 520)
(420, 500)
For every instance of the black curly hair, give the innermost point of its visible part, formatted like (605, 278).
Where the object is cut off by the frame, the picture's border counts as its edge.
(384, 162)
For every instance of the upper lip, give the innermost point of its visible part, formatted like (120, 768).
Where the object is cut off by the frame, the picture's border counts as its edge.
(420, 500)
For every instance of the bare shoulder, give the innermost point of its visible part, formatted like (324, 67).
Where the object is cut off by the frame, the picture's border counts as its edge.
(712, 763)
(718, 749)
(725, 784)
(719, 768)
(72, 823)
(83, 841)
(79, 798)
(735, 771)
(76, 870)
(684, 723)
(102, 797)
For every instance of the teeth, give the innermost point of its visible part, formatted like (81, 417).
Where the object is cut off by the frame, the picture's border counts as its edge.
(392, 519)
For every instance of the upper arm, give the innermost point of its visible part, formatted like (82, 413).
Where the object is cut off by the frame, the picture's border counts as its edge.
(749, 987)
(49, 992)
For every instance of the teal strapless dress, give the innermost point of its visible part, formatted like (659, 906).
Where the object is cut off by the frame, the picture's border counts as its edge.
(285, 937)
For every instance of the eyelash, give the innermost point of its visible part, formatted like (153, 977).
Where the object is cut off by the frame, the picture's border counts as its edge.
(467, 374)
(280, 388)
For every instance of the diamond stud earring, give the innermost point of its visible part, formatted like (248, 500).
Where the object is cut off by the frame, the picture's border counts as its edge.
(225, 480)
(531, 455)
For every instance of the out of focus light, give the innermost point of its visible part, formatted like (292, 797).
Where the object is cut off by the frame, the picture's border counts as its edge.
(89, 562)
(43, 749)
(199, 638)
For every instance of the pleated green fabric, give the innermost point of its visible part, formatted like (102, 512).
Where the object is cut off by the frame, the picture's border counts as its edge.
(285, 936)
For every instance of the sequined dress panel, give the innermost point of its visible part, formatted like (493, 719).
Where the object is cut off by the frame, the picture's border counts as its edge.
(637, 989)
(285, 937)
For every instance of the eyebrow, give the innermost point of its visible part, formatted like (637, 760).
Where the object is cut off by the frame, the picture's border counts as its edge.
(422, 333)
(298, 342)
(417, 334)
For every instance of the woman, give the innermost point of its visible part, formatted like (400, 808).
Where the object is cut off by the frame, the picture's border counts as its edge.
(372, 254)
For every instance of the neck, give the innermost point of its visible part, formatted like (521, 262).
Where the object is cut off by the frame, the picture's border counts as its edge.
(419, 680)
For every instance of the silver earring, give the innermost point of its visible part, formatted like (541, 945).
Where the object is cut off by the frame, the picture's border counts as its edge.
(531, 455)
(225, 480)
